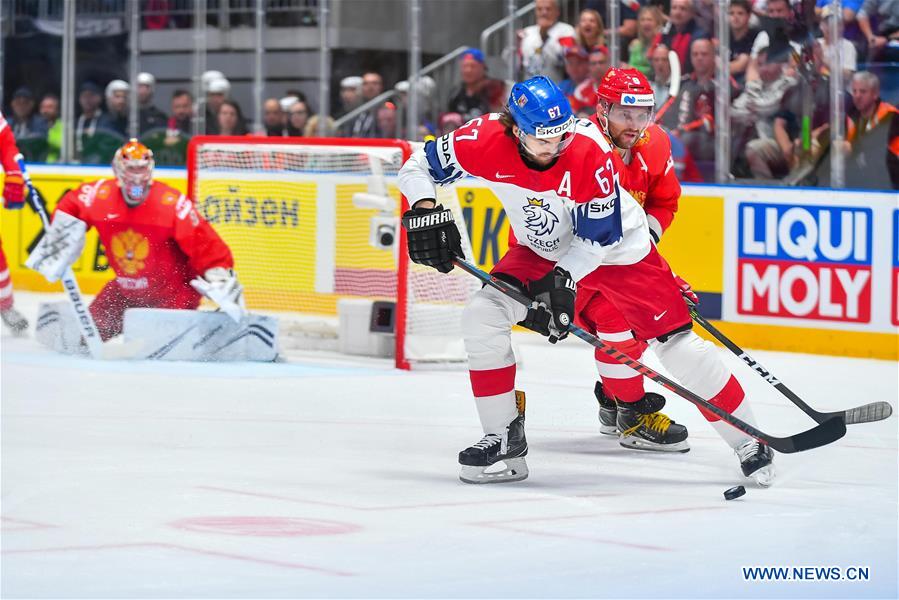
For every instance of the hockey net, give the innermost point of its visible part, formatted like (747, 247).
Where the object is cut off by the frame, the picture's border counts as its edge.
(310, 223)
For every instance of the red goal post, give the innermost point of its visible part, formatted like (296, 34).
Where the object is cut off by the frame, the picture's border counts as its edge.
(307, 221)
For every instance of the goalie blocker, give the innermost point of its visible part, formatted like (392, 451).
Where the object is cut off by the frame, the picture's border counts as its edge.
(161, 334)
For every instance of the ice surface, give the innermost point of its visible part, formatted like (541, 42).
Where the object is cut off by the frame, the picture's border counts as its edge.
(330, 477)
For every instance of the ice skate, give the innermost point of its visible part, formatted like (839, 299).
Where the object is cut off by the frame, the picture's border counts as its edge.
(13, 319)
(757, 462)
(642, 427)
(498, 458)
(608, 409)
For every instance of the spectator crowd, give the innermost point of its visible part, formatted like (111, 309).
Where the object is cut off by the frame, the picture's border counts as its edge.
(781, 59)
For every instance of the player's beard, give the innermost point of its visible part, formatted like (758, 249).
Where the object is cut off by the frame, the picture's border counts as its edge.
(626, 138)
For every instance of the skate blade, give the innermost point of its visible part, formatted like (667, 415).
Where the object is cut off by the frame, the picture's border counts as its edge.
(511, 469)
(608, 429)
(764, 476)
(634, 443)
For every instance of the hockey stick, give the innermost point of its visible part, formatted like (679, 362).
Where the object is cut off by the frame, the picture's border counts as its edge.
(867, 413)
(69, 283)
(824, 433)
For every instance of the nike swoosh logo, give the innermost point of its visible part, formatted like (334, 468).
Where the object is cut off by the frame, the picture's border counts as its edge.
(112, 215)
(659, 316)
(498, 176)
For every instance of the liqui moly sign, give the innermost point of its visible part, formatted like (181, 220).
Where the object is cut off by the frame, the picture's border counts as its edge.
(805, 262)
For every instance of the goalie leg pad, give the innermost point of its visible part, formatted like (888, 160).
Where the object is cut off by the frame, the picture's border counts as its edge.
(201, 336)
(57, 328)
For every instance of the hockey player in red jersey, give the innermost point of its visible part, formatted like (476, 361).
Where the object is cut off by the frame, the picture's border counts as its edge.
(163, 252)
(624, 115)
(13, 198)
(577, 232)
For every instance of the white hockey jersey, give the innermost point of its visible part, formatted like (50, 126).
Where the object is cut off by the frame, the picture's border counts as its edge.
(572, 213)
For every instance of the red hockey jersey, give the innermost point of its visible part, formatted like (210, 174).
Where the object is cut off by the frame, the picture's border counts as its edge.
(8, 149)
(649, 176)
(155, 248)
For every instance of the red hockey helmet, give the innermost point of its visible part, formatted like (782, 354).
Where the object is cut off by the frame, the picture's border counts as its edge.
(625, 99)
(627, 87)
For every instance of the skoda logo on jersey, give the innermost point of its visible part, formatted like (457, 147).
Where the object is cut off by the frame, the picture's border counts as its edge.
(538, 217)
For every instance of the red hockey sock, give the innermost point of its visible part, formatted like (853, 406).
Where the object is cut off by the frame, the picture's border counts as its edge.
(620, 381)
(729, 399)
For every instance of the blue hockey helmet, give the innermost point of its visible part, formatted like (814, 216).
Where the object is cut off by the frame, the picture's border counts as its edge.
(540, 109)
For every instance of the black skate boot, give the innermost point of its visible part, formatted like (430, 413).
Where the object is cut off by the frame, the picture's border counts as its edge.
(15, 321)
(608, 408)
(608, 411)
(498, 458)
(757, 462)
(642, 427)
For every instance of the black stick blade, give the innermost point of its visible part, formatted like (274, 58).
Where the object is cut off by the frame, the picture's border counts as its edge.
(876, 411)
(827, 432)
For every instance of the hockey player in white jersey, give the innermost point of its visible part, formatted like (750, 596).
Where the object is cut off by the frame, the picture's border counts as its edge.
(575, 231)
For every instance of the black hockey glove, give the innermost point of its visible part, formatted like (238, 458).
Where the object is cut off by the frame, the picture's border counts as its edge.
(432, 237)
(553, 309)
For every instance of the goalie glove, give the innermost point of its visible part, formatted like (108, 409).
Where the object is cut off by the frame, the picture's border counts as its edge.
(59, 247)
(221, 286)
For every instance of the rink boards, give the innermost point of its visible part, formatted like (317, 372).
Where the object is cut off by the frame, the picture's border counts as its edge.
(805, 270)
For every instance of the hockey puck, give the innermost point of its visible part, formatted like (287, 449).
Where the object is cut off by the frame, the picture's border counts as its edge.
(734, 492)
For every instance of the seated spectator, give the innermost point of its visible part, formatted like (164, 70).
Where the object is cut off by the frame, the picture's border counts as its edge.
(217, 91)
(868, 115)
(583, 100)
(313, 129)
(365, 124)
(274, 119)
(49, 110)
(449, 122)
(883, 41)
(779, 24)
(89, 99)
(742, 36)
(661, 75)
(691, 115)
(649, 24)
(851, 29)
(297, 117)
(477, 94)
(768, 81)
(181, 121)
(426, 88)
(540, 46)
(680, 31)
(116, 116)
(844, 49)
(576, 67)
(387, 121)
(23, 120)
(230, 119)
(350, 94)
(627, 14)
(149, 116)
(590, 30)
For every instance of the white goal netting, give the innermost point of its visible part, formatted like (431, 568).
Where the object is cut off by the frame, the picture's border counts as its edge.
(312, 223)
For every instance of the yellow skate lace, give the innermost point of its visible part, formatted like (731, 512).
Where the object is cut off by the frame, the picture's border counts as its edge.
(656, 421)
